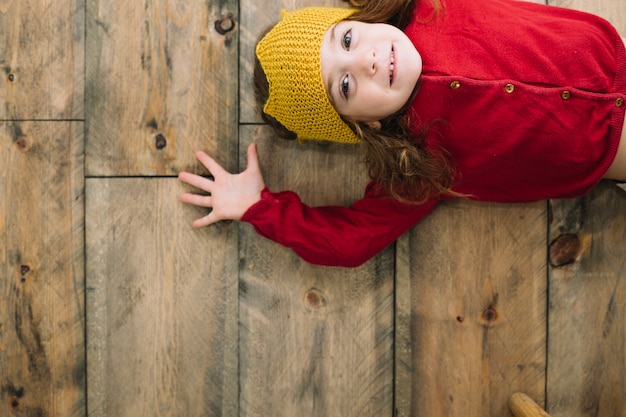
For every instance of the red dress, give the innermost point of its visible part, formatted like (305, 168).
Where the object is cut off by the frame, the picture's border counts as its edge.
(533, 99)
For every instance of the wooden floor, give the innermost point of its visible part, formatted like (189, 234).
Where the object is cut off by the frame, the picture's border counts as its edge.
(112, 305)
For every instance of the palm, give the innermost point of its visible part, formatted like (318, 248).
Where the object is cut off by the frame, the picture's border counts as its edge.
(230, 195)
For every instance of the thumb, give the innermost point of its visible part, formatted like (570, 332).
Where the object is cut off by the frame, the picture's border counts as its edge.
(253, 158)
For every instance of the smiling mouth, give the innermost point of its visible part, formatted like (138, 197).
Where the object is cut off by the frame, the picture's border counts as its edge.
(392, 60)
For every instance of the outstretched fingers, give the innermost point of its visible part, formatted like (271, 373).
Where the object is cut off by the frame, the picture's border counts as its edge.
(214, 168)
(207, 220)
(196, 199)
(228, 195)
(197, 181)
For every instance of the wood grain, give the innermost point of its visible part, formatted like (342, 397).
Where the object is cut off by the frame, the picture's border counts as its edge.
(322, 173)
(42, 368)
(161, 84)
(221, 322)
(471, 305)
(314, 341)
(162, 304)
(587, 316)
(42, 48)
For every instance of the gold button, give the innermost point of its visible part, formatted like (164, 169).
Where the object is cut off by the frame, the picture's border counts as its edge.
(565, 95)
(455, 84)
(619, 102)
(509, 88)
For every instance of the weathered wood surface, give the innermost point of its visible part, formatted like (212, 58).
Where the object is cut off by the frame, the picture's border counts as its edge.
(471, 310)
(162, 304)
(313, 341)
(587, 318)
(161, 84)
(42, 368)
(467, 310)
(42, 59)
(162, 297)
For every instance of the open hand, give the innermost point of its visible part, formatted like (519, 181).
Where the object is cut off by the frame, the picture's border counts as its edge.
(231, 195)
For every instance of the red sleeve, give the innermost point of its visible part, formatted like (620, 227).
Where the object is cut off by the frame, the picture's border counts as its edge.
(333, 235)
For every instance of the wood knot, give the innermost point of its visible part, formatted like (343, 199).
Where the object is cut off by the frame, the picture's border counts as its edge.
(225, 24)
(314, 299)
(490, 315)
(159, 141)
(564, 250)
(14, 403)
(24, 270)
(15, 396)
(23, 143)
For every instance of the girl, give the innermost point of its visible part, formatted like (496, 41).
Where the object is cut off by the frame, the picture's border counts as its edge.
(497, 100)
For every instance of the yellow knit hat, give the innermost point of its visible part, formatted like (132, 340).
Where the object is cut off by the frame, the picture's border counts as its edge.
(290, 57)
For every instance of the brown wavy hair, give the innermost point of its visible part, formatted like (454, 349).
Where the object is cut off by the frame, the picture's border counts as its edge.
(395, 156)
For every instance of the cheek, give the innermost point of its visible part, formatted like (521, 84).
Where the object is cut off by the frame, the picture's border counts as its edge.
(374, 94)
(373, 109)
(381, 100)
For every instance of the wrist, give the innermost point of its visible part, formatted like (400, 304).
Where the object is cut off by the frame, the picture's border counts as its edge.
(257, 206)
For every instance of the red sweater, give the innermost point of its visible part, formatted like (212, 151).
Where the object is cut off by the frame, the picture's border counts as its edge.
(532, 101)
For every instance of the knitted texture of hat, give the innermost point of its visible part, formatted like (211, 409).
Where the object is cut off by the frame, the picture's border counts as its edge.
(290, 57)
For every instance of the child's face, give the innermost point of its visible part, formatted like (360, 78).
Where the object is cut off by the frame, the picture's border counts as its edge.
(369, 70)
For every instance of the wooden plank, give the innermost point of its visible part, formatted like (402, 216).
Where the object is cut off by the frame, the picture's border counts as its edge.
(42, 354)
(256, 17)
(42, 47)
(587, 320)
(161, 84)
(587, 317)
(161, 302)
(471, 305)
(314, 341)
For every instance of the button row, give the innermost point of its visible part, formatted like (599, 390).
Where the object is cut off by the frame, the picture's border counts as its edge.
(510, 88)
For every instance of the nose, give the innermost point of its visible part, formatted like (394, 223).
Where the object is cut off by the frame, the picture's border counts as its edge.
(367, 62)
